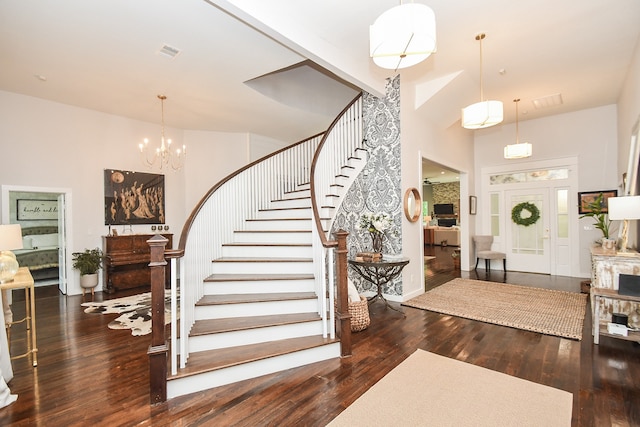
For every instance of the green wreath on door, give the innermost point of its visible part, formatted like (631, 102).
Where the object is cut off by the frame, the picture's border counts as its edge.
(516, 214)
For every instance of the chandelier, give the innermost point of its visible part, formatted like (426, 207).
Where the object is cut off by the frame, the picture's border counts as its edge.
(517, 150)
(163, 156)
(482, 114)
(403, 36)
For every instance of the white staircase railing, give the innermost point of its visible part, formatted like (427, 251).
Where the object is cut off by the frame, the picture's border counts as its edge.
(239, 196)
(340, 142)
(224, 210)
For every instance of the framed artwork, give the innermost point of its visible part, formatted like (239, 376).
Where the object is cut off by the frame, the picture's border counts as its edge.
(133, 198)
(587, 197)
(33, 210)
(473, 205)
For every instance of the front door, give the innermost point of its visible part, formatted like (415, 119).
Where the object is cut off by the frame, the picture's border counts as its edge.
(528, 247)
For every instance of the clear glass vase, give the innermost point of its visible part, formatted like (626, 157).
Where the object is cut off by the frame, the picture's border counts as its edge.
(376, 242)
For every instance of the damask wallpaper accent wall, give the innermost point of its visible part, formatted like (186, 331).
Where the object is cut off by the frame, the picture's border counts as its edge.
(378, 187)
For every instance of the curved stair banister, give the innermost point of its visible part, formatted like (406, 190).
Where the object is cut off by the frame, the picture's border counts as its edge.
(223, 210)
(239, 212)
(343, 138)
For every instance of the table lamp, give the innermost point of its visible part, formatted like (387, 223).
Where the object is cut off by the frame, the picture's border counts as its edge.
(10, 238)
(624, 208)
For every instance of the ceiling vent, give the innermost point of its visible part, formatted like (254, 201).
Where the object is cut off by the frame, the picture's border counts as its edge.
(547, 101)
(169, 51)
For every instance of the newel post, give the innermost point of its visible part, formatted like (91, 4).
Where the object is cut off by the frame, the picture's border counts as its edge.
(158, 349)
(342, 311)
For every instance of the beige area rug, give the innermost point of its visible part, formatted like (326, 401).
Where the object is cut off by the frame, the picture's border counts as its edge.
(546, 311)
(134, 311)
(431, 390)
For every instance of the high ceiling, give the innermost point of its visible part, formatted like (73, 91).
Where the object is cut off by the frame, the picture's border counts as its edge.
(104, 55)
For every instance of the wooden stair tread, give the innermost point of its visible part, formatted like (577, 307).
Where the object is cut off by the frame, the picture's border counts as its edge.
(292, 198)
(250, 298)
(251, 277)
(261, 259)
(267, 244)
(206, 361)
(284, 209)
(213, 326)
(275, 231)
(278, 219)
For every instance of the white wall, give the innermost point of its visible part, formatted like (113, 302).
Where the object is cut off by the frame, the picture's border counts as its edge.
(451, 147)
(628, 115)
(590, 135)
(212, 156)
(51, 145)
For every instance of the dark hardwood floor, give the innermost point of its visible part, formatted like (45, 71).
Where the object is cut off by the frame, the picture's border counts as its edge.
(91, 375)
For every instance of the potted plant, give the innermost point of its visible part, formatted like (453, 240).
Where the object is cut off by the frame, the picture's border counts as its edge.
(596, 210)
(88, 263)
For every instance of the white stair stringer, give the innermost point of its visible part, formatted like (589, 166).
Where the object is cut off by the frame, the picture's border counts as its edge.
(264, 276)
(181, 386)
(265, 272)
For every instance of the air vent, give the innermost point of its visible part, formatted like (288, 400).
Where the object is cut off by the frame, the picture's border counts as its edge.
(547, 101)
(169, 51)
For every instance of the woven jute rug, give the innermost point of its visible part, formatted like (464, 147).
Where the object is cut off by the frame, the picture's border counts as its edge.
(546, 311)
(431, 390)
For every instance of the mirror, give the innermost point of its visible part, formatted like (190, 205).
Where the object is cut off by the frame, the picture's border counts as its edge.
(412, 204)
(631, 186)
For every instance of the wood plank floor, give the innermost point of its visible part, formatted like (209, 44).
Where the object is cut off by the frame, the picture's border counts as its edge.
(91, 375)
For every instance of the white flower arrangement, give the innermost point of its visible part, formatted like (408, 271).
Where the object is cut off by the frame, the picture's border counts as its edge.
(375, 222)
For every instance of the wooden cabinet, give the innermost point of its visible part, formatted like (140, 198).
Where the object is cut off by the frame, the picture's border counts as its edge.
(605, 299)
(127, 259)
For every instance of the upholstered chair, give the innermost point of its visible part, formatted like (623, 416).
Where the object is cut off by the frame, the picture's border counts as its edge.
(483, 250)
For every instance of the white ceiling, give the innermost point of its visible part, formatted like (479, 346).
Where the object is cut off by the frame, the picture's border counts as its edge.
(102, 55)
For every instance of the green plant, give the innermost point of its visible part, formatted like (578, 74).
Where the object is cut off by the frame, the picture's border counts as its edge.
(88, 262)
(595, 211)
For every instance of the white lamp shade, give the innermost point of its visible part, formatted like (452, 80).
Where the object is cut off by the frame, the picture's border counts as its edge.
(482, 114)
(403, 36)
(10, 237)
(621, 208)
(518, 151)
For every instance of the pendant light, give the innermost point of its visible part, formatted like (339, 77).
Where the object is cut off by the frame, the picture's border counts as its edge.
(403, 36)
(482, 114)
(518, 150)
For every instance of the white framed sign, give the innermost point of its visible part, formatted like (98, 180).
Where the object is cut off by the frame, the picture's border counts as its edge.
(37, 209)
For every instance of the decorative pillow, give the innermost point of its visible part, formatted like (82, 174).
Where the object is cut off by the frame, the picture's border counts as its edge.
(352, 291)
(27, 243)
(44, 240)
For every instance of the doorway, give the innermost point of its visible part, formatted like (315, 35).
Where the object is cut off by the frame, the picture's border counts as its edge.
(43, 214)
(545, 245)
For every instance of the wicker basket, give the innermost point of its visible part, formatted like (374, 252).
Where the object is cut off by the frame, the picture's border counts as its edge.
(359, 311)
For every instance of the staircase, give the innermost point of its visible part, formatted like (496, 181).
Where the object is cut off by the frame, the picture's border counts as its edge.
(262, 309)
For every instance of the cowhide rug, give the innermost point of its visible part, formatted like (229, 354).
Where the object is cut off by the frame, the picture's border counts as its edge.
(134, 310)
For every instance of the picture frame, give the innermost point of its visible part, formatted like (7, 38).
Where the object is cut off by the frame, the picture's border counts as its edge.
(473, 205)
(36, 210)
(133, 198)
(586, 197)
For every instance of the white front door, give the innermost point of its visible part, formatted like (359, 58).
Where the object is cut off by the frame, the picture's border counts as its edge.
(528, 247)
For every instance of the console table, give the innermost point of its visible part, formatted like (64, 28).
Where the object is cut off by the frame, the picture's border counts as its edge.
(380, 273)
(127, 260)
(24, 280)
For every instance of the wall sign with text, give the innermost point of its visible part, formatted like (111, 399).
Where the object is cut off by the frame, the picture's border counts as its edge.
(37, 209)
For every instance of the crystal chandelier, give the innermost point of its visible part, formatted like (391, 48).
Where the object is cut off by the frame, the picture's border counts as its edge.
(163, 154)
